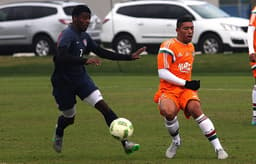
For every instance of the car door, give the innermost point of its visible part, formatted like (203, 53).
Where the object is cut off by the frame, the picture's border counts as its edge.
(157, 22)
(152, 26)
(14, 25)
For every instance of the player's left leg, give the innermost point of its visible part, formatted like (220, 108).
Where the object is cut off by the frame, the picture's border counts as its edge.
(95, 99)
(207, 127)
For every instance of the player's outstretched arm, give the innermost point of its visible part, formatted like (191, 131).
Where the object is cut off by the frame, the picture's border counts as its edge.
(136, 55)
(103, 53)
(95, 61)
(252, 57)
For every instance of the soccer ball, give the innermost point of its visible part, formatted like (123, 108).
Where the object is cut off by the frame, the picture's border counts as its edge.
(121, 128)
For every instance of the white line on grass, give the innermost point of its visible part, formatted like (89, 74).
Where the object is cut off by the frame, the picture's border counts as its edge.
(229, 90)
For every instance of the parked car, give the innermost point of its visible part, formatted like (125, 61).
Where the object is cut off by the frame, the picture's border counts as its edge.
(130, 25)
(35, 26)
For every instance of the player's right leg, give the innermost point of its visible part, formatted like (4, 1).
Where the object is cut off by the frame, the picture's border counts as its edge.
(169, 110)
(173, 129)
(95, 99)
(253, 67)
(254, 105)
(65, 99)
(64, 120)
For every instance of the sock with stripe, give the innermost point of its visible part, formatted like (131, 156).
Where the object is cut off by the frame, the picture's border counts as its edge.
(254, 105)
(173, 129)
(208, 130)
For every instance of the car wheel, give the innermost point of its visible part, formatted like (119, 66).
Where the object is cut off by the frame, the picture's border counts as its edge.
(124, 44)
(210, 44)
(43, 46)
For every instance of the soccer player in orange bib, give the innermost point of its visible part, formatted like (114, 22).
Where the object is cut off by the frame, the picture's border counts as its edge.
(177, 90)
(251, 37)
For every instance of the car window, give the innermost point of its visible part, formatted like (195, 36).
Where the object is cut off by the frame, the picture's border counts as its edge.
(209, 11)
(39, 11)
(161, 11)
(3, 14)
(129, 11)
(17, 13)
(174, 12)
(25, 12)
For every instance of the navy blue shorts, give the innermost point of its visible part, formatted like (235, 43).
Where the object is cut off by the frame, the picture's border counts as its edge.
(65, 92)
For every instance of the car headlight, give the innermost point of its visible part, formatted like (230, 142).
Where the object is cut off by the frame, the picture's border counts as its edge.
(229, 27)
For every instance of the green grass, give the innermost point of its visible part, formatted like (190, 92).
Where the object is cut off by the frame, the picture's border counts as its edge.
(204, 64)
(28, 113)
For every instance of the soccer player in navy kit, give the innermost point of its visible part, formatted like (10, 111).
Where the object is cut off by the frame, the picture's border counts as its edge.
(70, 78)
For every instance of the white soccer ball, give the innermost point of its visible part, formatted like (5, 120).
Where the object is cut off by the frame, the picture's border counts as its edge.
(121, 128)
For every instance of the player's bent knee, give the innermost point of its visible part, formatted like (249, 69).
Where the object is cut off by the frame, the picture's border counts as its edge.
(193, 105)
(93, 98)
(194, 109)
(167, 113)
(70, 113)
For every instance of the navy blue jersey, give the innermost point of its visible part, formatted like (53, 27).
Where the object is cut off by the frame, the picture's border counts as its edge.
(69, 74)
(69, 67)
(69, 62)
(77, 44)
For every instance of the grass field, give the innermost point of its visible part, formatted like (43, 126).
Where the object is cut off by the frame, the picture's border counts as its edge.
(28, 114)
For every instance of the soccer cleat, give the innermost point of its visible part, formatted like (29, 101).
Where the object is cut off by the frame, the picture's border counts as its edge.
(221, 154)
(172, 149)
(131, 147)
(57, 143)
(253, 120)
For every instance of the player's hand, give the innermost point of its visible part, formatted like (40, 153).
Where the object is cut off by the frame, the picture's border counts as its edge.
(252, 57)
(136, 55)
(194, 84)
(95, 61)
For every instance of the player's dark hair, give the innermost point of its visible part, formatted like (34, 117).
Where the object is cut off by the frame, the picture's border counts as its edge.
(80, 9)
(182, 19)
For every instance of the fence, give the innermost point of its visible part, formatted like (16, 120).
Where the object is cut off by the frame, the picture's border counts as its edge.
(237, 10)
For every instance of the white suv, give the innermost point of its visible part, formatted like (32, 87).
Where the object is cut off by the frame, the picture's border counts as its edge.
(35, 26)
(149, 22)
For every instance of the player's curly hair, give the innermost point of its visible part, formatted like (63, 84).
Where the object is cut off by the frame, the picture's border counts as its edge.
(184, 18)
(80, 9)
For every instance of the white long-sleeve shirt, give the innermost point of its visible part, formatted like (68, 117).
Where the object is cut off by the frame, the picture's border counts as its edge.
(251, 34)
